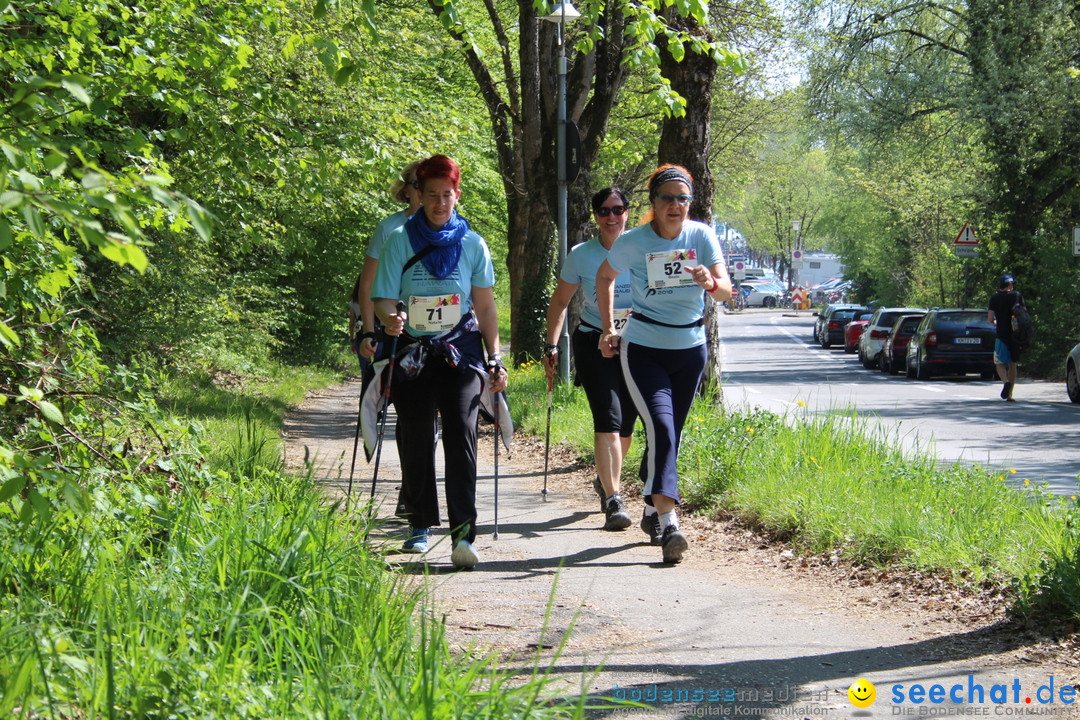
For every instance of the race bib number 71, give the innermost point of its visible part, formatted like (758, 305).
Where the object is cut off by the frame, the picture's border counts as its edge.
(434, 313)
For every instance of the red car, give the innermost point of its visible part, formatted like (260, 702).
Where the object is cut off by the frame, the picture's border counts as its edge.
(854, 330)
(893, 354)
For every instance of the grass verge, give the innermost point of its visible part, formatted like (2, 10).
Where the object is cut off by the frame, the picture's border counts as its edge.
(205, 583)
(827, 484)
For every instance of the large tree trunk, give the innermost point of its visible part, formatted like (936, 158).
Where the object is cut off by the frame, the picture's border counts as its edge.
(523, 111)
(685, 141)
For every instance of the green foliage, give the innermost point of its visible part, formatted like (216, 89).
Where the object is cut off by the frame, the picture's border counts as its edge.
(958, 112)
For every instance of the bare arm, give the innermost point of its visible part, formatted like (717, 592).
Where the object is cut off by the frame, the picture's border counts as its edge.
(367, 307)
(556, 314)
(605, 301)
(393, 322)
(483, 302)
(713, 280)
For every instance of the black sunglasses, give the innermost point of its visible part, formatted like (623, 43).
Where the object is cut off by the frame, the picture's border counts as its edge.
(616, 211)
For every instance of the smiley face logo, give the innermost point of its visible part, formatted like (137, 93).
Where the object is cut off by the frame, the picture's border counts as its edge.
(862, 693)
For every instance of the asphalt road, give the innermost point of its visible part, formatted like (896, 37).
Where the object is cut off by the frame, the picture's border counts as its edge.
(770, 361)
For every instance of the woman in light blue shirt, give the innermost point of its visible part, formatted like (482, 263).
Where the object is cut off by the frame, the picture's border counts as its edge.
(612, 409)
(671, 260)
(441, 270)
(405, 190)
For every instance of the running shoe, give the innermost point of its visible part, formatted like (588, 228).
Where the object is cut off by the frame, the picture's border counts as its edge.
(650, 525)
(674, 544)
(464, 556)
(616, 516)
(417, 543)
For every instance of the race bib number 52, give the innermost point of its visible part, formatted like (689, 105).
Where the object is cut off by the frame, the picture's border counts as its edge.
(667, 268)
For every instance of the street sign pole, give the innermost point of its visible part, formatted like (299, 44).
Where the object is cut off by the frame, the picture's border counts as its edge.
(966, 246)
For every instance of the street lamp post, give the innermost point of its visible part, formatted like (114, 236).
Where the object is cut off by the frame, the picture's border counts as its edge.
(564, 12)
(795, 225)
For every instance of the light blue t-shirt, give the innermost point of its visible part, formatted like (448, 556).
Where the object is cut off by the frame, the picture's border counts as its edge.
(382, 231)
(432, 303)
(579, 268)
(660, 288)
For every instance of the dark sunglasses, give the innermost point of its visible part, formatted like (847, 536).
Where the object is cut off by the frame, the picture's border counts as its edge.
(616, 211)
(414, 183)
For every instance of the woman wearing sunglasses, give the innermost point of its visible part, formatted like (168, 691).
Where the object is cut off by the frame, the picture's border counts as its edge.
(673, 262)
(612, 410)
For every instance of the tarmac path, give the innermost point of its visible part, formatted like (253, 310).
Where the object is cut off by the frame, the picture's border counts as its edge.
(741, 628)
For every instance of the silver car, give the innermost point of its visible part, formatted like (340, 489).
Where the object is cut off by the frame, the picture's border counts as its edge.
(1072, 374)
(764, 294)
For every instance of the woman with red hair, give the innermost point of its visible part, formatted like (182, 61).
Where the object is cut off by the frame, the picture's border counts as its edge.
(673, 262)
(442, 271)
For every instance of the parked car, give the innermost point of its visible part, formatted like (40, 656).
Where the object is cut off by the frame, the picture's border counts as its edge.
(854, 329)
(877, 329)
(762, 293)
(1072, 374)
(952, 340)
(893, 357)
(832, 321)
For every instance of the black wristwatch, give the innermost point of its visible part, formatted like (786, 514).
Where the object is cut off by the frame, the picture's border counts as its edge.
(368, 335)
(550, 349)
(494, 361)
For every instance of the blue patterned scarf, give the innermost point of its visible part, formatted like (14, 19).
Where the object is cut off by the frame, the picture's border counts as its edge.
(441, 261)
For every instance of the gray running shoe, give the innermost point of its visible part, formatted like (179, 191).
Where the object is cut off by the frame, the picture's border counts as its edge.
(599, 488)
(650, 525)
(674, 544)
(617, 517)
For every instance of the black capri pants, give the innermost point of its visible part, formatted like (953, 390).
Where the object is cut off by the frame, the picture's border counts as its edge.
(602, 379)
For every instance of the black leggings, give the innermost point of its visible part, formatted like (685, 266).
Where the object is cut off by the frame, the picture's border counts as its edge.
(455, 395)
(602, 380)
(663, 383)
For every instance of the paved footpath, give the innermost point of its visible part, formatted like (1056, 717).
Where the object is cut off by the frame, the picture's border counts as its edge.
(739, 629)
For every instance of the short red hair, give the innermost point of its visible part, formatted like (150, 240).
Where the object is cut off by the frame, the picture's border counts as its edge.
(438, 166)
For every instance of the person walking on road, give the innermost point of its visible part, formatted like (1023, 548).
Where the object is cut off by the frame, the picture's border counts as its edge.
(1006, 349)
(612, 409)
(671, 260)
(442, 271)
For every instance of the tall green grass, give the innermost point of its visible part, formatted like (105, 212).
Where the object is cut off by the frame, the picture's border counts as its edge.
(831, 484)
(210, 587)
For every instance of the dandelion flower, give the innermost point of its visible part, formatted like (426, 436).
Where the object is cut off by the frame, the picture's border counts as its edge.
(1012, 470)
(800, 403)
(1026, 481)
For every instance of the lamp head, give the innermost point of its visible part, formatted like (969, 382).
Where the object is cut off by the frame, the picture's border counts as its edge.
(564, 12)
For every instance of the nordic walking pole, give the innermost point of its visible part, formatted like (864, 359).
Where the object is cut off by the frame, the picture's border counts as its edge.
(386, 403)
(495, 396)
(355, 444)
(547, 435)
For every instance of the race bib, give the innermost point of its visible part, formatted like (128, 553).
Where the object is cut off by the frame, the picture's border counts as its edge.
(667, 269)
(620, 316)
(434, 313)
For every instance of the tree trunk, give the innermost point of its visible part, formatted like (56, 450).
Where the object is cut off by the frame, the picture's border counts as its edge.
(685, 141)
(522, 106)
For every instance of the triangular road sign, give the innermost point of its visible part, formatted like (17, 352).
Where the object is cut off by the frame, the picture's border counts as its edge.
(966, 236)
